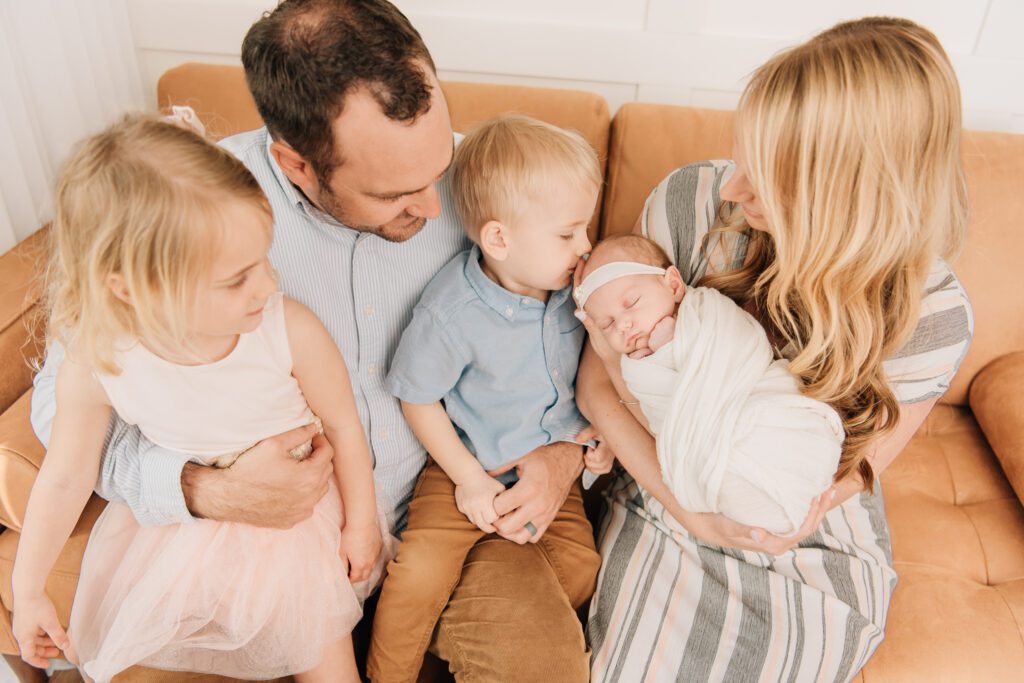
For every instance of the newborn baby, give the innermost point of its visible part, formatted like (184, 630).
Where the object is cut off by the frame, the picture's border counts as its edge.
(734, 433)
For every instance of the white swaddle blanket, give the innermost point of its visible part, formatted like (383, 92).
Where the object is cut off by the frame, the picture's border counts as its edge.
(734, 433)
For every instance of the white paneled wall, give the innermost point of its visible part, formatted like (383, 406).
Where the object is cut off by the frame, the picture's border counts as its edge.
(694, 52)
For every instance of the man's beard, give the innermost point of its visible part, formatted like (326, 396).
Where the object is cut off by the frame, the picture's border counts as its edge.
(400, 229)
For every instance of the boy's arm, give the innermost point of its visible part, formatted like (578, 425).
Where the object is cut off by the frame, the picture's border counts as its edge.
(474, 488)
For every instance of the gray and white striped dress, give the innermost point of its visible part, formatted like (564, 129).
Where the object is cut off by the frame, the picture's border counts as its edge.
(669, 607)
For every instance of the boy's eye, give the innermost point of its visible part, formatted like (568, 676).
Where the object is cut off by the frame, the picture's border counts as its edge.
(567, 237)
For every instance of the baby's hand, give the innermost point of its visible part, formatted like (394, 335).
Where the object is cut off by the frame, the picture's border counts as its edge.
(662, 333)
(475, 499)
(360, 547)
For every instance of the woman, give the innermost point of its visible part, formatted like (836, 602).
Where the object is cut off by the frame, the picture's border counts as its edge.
(830, 226)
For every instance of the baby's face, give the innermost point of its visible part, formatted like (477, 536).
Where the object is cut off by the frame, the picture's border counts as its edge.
(627, 309)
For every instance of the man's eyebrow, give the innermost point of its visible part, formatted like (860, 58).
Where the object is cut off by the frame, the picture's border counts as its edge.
(395, 195)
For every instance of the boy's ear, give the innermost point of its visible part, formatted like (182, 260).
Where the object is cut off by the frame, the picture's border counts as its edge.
(494, 240)
(674, 281)
(119, 288)
(296, 168)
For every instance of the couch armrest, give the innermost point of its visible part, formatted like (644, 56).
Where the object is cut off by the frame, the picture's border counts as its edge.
(997, 399)
(21, 454)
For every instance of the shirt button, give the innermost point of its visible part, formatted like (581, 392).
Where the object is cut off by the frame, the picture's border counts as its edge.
(384, 434)
(554, 373)
(525, 301)
(371, 369)
(368, 310)
(508, 311)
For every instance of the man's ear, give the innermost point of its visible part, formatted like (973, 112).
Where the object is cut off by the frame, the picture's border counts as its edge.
(674, 281)
(119, 287)
(494, 240)
(296, 168)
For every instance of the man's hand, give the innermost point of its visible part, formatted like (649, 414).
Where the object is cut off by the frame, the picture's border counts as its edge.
(475, 496)
(545, 477)
(266, 486)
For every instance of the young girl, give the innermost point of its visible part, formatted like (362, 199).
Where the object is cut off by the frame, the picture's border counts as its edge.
(162, 296)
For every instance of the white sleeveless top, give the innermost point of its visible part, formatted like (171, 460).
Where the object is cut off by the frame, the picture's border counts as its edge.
(215, 409)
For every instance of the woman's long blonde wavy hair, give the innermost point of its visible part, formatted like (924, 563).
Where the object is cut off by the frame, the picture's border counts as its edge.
(852, 143)
(141, 200)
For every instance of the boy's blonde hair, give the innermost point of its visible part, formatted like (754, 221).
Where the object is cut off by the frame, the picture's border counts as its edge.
(141, 200)
(506, 163)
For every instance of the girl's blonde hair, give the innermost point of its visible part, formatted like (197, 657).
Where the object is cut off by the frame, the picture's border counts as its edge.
(852, 144)
(141, 200)
(505, 162)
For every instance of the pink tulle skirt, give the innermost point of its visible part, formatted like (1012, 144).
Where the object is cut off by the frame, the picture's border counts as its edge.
(212, 597)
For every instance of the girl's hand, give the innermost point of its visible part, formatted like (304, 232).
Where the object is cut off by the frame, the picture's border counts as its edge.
(598, 459)
(38, 631)
(720, 530)
(475, 499)
(360, 547)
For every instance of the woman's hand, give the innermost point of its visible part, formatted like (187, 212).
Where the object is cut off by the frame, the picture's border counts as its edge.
(360, 547)
(720, 530)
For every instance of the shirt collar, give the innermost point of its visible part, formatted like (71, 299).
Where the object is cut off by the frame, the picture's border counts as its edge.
(507, 304)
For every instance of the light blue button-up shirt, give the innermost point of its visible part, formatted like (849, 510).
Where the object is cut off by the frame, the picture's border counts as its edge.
(504, 364)
(361, 286)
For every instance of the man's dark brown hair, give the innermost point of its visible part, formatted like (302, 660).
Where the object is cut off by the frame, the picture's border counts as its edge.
(303, 58)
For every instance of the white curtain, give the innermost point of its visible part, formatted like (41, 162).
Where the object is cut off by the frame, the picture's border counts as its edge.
(67, 68)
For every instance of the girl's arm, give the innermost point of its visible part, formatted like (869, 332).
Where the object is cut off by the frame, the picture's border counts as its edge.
(59, 494)
(320, 369)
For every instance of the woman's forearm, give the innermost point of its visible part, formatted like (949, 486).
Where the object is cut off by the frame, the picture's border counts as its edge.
(632, 444)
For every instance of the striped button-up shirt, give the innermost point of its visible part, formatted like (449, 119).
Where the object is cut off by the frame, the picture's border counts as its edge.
(362, 287)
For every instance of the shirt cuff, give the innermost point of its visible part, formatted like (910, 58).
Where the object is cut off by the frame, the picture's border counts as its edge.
(160, 493)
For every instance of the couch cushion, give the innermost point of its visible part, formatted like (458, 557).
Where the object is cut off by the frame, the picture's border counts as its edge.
(649, 140)
(21, 329)
(998, 404)
(958, 543)
(20, 457)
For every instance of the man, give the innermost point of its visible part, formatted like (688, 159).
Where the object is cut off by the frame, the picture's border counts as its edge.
(353, 161)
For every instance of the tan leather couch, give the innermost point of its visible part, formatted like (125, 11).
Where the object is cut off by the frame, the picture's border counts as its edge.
(953, 497)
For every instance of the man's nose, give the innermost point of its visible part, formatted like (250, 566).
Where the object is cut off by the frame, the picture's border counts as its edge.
(426, 204)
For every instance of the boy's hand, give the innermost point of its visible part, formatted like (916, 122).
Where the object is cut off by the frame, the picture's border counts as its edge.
(38, 631)
(597, 459)
(475, 499)
(360, 547)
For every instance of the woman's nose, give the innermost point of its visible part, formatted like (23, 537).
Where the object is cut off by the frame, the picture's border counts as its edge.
(737, 189)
